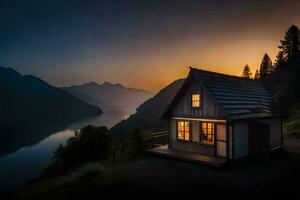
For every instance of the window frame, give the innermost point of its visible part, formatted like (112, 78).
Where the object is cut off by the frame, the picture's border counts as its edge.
(200, 100)
(184, 132)
(213, 134)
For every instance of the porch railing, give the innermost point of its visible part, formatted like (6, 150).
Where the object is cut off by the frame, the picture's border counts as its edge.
(154, 140)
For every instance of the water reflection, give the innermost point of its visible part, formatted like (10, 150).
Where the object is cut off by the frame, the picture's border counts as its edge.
(28, 162)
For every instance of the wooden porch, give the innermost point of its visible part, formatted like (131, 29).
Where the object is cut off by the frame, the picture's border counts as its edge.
(164, 151)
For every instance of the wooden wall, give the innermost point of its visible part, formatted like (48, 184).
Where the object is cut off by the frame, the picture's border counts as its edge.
(240, 140)
(240, 128)
(209, 108)
(275, 130)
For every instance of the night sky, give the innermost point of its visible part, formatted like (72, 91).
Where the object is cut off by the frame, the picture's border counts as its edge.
(141, 44)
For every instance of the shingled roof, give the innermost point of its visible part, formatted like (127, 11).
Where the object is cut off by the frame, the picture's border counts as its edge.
(240, 98)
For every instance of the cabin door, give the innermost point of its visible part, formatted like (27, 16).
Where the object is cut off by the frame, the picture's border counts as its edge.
(259, 140)
(221, 140)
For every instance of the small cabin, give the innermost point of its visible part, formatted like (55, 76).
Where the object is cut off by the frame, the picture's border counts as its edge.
(223, 116)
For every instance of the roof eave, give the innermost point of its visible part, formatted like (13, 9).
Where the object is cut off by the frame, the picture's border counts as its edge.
(165, 114)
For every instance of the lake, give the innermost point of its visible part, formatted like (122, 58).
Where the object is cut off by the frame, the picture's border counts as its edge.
(28, 162)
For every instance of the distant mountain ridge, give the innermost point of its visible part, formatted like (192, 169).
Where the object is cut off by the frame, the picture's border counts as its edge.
(148, 115)
(110, 96)
(31, 109)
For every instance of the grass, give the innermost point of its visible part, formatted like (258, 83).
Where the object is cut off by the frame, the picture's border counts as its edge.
(87, 180)
(291, 125)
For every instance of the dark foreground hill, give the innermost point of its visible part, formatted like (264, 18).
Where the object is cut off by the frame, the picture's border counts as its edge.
(31, 109)
(150, 177)
(149, 113)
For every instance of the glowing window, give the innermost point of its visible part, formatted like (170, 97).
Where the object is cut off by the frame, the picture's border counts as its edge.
(208, 132)
(196, 100)
(183, 130)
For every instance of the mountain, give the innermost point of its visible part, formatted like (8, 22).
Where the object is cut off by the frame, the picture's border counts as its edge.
(110, 96)
(148, 114)
(31, 109)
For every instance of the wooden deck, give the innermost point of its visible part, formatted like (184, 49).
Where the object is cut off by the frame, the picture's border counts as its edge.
(187, 156)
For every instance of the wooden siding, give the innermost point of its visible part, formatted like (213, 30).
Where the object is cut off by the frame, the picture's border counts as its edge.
(230, 141)
(240, 140)
(275, 130)
(196, 131)
(240, 136)
(208, 109)
(173, 130)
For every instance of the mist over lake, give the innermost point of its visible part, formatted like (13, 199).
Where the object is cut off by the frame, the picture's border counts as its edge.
(38, 117)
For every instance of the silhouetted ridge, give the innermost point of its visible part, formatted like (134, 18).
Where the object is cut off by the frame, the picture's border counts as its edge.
(31, 109)
(110, 96)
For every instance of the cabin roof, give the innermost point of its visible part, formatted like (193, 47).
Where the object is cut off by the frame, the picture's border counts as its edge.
(240, 98)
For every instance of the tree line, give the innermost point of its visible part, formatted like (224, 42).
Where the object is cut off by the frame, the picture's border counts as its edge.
(289, 50)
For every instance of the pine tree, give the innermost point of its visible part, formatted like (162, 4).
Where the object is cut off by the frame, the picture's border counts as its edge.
(247, 72)
(271, 68)
(290, 45)
(265, 66)
(279, 59)
(256, 76)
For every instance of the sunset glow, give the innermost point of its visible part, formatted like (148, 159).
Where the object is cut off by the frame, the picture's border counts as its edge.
(151, 43)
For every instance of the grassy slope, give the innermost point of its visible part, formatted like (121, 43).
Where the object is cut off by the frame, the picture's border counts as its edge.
(292, 124)
(87, 181)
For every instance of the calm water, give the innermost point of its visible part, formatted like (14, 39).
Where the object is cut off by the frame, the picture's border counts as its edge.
(28, 162)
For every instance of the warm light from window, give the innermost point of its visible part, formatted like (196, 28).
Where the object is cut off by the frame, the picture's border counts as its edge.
(183, 130)
(195, 100)
(208, 132)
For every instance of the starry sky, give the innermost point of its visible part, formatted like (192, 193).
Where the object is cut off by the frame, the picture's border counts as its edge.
(139, 43)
